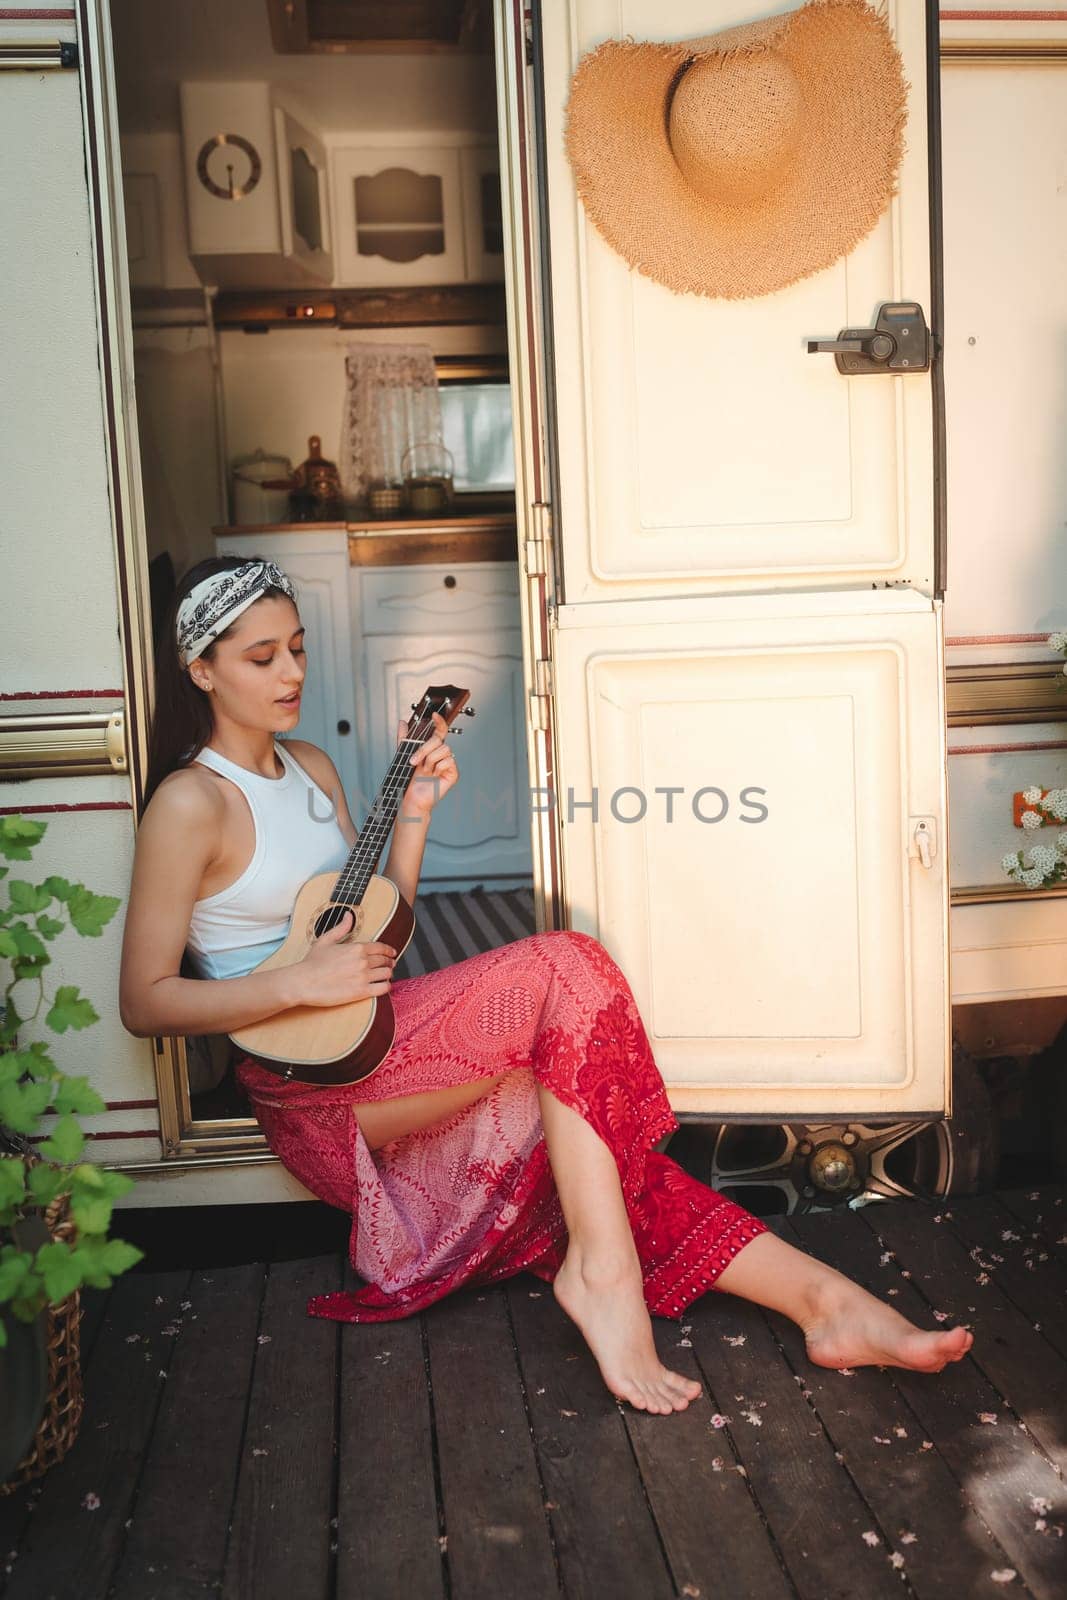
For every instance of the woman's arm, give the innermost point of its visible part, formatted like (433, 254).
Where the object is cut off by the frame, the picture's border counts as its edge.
(176, 842)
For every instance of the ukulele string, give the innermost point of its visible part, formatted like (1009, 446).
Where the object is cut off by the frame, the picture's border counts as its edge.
(394, 784)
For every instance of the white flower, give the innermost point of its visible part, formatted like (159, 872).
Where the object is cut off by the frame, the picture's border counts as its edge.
(1043, 856)
(1032, 879)
(1010, 862)
(1031, 819)
(1057, 640)
(1056, 802)
(1033, 794)
(1061, 844)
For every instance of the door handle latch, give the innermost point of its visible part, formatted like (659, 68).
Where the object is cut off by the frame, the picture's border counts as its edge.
(898, 342)
(924, 839)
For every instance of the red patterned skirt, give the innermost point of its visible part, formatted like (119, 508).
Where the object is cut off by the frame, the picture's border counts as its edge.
(471, 1200)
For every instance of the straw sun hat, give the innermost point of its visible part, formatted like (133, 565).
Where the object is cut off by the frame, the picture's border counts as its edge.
(734, 164)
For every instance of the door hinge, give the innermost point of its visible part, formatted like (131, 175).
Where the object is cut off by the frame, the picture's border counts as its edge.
(541, 695)
(535, 547)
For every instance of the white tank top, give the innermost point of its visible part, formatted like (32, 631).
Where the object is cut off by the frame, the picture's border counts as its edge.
(297, 835)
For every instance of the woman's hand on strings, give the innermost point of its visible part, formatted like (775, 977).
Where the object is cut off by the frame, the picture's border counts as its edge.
(332, 973)
(434, 770)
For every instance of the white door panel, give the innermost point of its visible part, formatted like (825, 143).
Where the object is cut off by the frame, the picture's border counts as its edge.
(785, 942)
(698, 439)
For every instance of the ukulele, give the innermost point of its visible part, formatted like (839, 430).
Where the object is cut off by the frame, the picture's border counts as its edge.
(345, 1043)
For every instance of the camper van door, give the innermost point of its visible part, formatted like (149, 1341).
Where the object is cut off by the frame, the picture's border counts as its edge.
(747, 657)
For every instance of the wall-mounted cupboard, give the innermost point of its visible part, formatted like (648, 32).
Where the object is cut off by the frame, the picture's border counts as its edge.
(410, 214)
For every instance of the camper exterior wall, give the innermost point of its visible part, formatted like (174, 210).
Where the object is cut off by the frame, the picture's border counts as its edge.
(64, 622)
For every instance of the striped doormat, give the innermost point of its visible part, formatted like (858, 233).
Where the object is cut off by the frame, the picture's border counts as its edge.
(452, 926)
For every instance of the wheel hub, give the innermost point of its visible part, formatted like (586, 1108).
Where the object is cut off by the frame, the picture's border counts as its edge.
(832, 1168)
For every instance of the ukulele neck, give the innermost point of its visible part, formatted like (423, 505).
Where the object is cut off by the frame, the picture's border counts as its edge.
(358, 870)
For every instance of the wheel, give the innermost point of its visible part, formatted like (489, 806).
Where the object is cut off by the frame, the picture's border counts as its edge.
(794, 1167)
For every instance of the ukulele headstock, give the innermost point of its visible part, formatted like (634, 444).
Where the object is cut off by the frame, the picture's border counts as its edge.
(443, 698)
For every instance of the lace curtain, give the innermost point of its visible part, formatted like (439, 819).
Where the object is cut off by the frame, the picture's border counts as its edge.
(391, 402)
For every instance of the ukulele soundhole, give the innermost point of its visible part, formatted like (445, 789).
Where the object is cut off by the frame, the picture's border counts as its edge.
(330, 916)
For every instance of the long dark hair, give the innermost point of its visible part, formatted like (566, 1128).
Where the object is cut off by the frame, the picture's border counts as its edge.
(182, 722)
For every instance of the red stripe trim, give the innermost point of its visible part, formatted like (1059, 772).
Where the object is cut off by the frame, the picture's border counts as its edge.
(1003, 16)
(86, 805)
(130, 1105)
(63, 694)
(1005, 749)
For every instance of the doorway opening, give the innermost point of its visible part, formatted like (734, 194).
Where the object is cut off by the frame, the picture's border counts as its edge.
(301, 213)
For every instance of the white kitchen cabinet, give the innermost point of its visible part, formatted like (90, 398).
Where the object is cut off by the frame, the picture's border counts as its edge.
(456, 623)
(409, 214)
(399, 212)
(480, 831)
(483, 221)
(256, 189)
(144, 231)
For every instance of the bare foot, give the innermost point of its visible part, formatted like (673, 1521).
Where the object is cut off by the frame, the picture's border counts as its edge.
(850, 1328)
(609, 1307)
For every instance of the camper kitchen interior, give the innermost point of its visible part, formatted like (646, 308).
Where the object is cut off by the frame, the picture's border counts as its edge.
(316, 272)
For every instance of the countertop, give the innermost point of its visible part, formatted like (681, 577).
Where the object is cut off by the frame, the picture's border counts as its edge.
(378, 542)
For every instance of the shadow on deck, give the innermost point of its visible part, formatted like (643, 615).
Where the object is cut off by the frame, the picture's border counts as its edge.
(233, 1446)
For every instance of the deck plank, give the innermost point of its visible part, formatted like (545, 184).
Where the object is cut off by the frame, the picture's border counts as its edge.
(604, 1533)
(387, 1517)
(176, 1548)
(697, 1495)
(1044, 1210)
(814, 1511)
(911, 1491)
(495, 1518)
(1019, 1261)
(1019, 1362)
(71, 1547)
(281, 1534)
(998, 1467)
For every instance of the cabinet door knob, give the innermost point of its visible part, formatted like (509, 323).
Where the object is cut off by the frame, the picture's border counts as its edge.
(450, 582)
(344, 726)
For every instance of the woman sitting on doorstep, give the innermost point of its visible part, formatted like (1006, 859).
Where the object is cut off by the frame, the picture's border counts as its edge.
(511, 1125)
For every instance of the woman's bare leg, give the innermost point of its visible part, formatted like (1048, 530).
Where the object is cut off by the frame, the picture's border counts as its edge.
(383, 1120)
(599, 1285)
(843, 1325)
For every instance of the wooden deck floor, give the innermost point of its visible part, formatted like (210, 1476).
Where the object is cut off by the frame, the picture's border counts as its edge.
(232, 1446)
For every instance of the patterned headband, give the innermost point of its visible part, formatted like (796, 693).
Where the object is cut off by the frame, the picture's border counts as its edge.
(210, 606)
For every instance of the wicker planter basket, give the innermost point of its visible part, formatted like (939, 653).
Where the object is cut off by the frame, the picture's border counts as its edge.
(59, 1425)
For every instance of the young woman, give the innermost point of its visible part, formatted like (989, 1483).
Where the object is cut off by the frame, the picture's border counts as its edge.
(511, 1125)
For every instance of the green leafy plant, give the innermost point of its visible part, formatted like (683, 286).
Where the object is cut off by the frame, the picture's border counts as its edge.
(32, 1087)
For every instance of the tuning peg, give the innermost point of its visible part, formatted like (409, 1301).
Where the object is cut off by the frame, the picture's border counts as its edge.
(413, 705)
(457, 731)
(468, 711)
